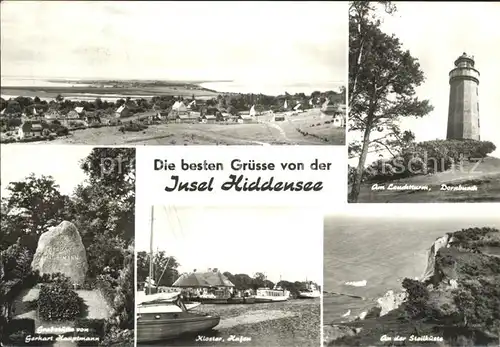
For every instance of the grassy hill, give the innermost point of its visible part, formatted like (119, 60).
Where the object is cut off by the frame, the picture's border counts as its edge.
(485, 175)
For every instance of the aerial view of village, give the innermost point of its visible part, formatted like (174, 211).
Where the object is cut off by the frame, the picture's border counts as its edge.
(291, 90)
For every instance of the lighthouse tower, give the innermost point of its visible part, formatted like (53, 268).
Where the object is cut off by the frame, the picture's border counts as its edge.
(463, 111)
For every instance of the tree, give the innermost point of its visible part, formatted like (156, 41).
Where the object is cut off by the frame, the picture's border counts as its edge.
(382, 82)
(104, 207)
(30, 208)
(164, 267)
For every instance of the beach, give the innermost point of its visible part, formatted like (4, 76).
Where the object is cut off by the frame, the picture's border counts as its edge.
(294, 323)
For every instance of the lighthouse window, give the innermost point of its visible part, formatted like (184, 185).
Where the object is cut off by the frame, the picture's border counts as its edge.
(477, 93)
(477, 106)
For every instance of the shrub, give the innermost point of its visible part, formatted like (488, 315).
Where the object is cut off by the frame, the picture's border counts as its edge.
(17, 262)
(106, 285)
(428, 157)
(96, 328)
(16, 331)
(24, 324)
(133, 127)
(417, 303)
(59, 303)
(56, 278)
(62, 131)
(118, 337)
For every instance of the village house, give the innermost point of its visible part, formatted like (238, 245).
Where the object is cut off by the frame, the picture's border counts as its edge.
(92, 118)
(243, 118)
(279, 117)
(209, 118)
(80, 111)
(213, 112)
(328, 108)
(162, 115)
(52, 114)
(190, 117)
(72, 115)
(122, 111)
(30, 129)
(179, 108)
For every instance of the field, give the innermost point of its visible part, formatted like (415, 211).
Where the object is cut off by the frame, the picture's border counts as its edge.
(295, 323)
(486, 176)
(262, 133)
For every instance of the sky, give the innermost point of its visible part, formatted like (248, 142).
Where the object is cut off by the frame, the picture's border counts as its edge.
(437, 33)
(244, 41)
(279, 241)
(60, 162)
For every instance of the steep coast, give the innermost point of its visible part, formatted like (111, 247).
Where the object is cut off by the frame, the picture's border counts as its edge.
(455, 302)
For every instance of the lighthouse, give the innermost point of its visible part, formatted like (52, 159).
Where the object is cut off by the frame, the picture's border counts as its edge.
(463, 110)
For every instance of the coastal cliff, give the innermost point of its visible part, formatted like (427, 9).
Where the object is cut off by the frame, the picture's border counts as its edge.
(455, 302)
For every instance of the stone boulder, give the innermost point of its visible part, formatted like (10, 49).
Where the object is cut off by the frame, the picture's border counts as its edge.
(61, 250)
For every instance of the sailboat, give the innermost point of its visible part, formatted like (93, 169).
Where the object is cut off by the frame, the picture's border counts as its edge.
(253, 113)
(164, 316)
(311, 292)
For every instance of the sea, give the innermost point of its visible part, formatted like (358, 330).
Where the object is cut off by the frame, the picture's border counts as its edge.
(273, 88)
(381, 251)
(268, 88)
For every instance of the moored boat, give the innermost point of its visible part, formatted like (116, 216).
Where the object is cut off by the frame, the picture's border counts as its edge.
(311, 292)
(271, 295)
(170, 319)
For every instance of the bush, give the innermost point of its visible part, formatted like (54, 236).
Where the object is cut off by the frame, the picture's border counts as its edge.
(62, 131)
(56, 278)
(428, 157)
(96, 328)
(133, 127)
(59, 303)
(106, 285)
(16, 331)
(25, 324)
(17, 262)
(118, 337)
(417, 303)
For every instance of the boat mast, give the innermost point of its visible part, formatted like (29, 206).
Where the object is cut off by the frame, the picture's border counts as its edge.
(151, 252)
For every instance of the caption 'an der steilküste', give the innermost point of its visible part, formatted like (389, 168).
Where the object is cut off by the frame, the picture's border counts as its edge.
(239, 182)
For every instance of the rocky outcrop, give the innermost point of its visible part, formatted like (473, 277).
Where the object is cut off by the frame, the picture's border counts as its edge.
(460, 287)
(390, 301)
(61, 250)
(334, 332)
(441, 242)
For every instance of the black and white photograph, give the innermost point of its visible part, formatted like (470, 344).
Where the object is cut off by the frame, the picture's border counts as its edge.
(229, 276)
(174, 72)
(418, 277)
(67, 266)
(423, 101)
